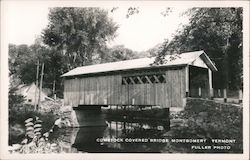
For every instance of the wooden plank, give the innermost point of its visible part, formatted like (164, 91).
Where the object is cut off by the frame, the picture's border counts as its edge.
(139, 79)
(152, 96)
(131, 79)
(88, 98)
(141, 94)
(95, 90)
(119, 85)
(103, 90)
(84, 91)
(109, 92)
(65, 92)
(113, 89)
(114, 96)
(125, 81)
(147, 96)
(168, 89)
(162, 96)
(98, 90)
(124, 94)
(175, 88)
(156, 90)
(137, 96)
(156, 78)
(130, 94)
(148, 79)
(187, 80)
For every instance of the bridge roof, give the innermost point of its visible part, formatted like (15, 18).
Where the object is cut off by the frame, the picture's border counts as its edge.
(171, 60)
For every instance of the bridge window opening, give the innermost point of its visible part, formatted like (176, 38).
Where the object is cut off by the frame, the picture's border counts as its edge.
(144, 79)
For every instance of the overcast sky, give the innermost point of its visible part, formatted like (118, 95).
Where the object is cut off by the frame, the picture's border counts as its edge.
(25, 21)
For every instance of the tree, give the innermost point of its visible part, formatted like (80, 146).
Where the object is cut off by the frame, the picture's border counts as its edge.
(118, 53)
(217, 31)
(78, 33)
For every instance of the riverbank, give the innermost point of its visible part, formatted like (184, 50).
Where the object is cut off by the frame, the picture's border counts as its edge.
(209, 120)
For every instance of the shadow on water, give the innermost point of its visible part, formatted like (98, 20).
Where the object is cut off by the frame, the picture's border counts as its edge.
(118, 136)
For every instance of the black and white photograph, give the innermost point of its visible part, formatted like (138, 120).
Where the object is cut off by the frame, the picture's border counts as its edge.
(124, 78)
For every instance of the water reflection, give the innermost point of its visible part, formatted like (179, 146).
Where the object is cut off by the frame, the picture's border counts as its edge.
(118, 136)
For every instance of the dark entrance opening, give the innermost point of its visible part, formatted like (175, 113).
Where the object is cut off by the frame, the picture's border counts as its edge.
(198, 82)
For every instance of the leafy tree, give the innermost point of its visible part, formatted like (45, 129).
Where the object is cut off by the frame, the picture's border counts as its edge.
(118, 53)
(78, 33)
(23, 65)
(217, 31)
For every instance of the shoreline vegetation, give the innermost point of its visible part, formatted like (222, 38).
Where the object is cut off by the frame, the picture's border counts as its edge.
(201, 119)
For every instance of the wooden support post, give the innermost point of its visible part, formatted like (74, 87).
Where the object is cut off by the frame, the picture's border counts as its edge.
(219, 93)
(41, 87)
(106, 101)
(116, 128)
(187, 80)
(54, 89)
(240, 96)
(211, 91)
(199, 91)
(133, 101)
(37, 77)
(225, 95)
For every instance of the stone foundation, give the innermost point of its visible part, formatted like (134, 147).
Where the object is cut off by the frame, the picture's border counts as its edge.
(84, 116)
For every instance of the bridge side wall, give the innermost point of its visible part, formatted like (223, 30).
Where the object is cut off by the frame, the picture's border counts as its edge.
(109, 90)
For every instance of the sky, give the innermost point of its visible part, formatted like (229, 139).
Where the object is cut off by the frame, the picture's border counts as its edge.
(140, 32)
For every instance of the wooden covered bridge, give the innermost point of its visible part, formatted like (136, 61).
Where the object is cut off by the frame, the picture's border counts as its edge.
(138, 82)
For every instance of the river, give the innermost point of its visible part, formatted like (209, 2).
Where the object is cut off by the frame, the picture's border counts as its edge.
(117, 136)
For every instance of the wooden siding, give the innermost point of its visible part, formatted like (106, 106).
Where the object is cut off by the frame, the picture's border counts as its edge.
(108, 90)
(175, 87)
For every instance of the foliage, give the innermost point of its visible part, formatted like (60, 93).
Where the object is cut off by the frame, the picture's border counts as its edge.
(118, 53)
(78, 33)
(217, 31)
(15, 100)
(211, 120)
(23, 61)
(131, 11)
(19, 112)
(34, 141)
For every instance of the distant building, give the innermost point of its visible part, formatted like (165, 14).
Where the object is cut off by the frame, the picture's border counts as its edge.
(31, 93)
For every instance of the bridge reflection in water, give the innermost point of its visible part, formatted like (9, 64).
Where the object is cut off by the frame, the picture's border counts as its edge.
(118, 136)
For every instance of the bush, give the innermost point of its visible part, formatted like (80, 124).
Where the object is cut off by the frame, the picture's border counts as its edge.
(19, 112)
(211, 120)
(35, 141)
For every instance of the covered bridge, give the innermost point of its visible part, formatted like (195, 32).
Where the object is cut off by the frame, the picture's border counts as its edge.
(138, 82)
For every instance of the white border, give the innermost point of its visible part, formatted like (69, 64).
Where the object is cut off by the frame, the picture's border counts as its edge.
(4, 82)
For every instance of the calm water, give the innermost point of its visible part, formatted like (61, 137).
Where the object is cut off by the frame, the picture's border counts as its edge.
(117, 136)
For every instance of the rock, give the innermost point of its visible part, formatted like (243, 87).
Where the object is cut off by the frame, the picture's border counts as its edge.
(203, 114)
(16, 146)
(58, 123)
(177, 122)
